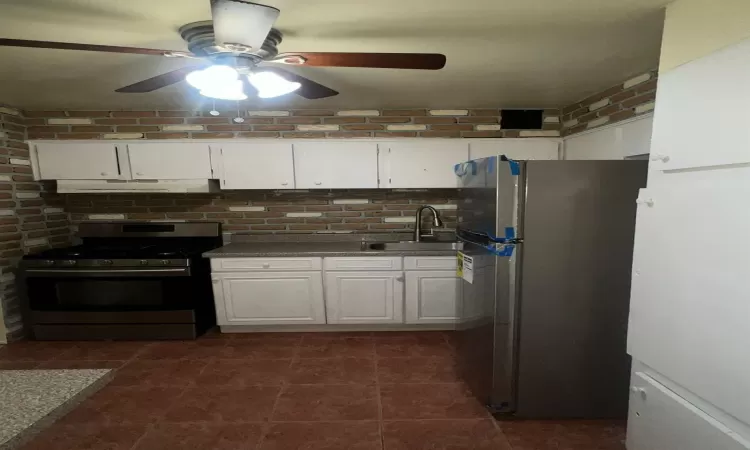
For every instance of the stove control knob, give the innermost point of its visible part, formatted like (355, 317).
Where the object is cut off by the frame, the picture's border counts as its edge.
(48, 262)
(164, 262)
(107, 262)
(144, 262)
(69, 262)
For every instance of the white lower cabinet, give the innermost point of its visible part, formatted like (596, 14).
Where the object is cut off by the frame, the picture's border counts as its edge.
(432, 296)
(365, 297)
(269, 298)
(358, 290)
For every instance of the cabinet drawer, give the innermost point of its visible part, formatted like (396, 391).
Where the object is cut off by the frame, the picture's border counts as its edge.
(265, 264)
(430, 262)
(357, 263)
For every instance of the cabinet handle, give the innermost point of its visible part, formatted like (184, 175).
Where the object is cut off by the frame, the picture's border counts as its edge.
(104, 174)
(400, 278)
(318, 183)
(215, 281)
(657, 157)
(266, 265)
(284, 183)
(139, 173)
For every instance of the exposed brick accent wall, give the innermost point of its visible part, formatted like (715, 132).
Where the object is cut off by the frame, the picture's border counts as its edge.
(268, 211)
(631, 98)
(31, 217)
(273, 212)
(453, 123)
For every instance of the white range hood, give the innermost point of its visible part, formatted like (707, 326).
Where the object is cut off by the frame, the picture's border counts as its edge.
(141, 186)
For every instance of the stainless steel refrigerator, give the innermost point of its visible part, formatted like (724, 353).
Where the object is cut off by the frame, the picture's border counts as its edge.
(544, 316)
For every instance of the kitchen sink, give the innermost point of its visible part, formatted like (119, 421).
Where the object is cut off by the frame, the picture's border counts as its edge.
(412, 246)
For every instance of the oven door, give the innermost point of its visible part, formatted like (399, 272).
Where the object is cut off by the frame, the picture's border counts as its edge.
(116, 289)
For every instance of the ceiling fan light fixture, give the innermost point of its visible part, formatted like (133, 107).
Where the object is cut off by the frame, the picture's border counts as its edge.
(212, 76)
(271, 85)
(225, 91)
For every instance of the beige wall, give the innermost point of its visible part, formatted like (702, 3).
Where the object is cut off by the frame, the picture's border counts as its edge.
(695, 28)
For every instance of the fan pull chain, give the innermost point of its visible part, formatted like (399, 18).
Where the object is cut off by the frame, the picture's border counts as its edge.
(213, 111)
(238, 119)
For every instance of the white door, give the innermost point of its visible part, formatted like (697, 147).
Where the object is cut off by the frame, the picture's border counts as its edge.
(432, 296)
(365, 297)
(427, 164)
(336, 165)
(523, 149)
(169, 161)
(77, 161)
(269, 298)
(249, 165)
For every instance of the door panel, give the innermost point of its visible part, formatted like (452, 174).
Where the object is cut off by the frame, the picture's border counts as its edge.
(280, 298)
(427, 164)
(660, 419)
(362, 297)
(257, 166)
(522, 149)
(169, 161)
(336, 165)
(78, 161)
(432, 296)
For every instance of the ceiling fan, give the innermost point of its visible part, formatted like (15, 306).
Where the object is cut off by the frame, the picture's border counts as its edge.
(236, 51)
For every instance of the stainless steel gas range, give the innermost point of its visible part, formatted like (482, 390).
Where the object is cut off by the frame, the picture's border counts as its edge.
(127, 280)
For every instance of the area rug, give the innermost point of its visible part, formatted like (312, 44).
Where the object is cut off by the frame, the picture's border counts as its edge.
(30, 400)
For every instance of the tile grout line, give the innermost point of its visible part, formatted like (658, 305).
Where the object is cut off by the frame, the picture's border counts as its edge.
(381, 425)
(267, 425)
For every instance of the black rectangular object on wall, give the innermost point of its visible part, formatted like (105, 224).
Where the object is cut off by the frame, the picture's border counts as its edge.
(521, 119)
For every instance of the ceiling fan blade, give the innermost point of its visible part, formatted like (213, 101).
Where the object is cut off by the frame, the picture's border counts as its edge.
(423, 61)
(242, 22)
(158, 81)
(89, 47)
(309, 89)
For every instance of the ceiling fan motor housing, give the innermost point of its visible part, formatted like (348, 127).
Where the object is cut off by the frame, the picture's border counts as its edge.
(201, 41)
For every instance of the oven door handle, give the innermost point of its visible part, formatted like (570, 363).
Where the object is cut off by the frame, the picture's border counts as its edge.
(114, 273)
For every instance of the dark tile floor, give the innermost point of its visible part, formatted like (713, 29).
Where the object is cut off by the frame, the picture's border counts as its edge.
(369, 391)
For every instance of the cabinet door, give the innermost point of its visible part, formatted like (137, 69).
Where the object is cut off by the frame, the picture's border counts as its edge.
(432, 296)
(718, 87)
(169, 161)
(611, 142)
(265, 298)
(77, 161)
(267, 165)
(336, 165)
(365, 297)
(421, 164)
(523, 149)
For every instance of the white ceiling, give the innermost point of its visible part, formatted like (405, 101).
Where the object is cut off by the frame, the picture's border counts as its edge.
(508, 53)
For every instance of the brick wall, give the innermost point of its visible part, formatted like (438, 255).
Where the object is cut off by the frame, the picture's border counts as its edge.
(273, 212)
(269, 211)
(454, 123)
(31, 217)
(631, 98)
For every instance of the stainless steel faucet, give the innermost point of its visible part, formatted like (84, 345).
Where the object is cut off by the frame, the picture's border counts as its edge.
(436, 222)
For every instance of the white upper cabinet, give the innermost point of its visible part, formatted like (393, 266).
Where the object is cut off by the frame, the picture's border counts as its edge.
(710, 93)
(612, 142)
(266, 165)
(76, 161)
(421, 164)
(169, 161)
(523, 149)
(336, 165)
